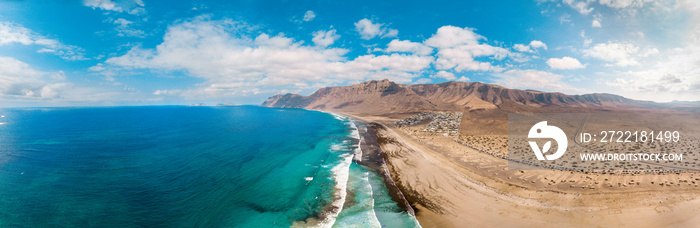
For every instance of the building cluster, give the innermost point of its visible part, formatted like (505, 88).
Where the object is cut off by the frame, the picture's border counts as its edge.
(440, 121)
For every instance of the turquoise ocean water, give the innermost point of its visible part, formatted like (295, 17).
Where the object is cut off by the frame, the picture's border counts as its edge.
(178, 166)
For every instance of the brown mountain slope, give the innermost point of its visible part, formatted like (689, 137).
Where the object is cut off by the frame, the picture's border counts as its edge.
(485, 106)
(385, 97)
(367, 97)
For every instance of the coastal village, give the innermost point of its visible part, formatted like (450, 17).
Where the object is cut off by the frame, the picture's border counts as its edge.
(440, 122)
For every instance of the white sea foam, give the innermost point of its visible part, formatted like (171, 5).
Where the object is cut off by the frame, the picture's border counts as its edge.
(373, 217)
(338, 116)
(354, 133)
(336, 147)
(341, 173)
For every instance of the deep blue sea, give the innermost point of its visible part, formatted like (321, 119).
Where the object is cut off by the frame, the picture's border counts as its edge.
(180, 166)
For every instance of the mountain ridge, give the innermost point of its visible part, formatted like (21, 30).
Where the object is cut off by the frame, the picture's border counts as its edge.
(384, 96)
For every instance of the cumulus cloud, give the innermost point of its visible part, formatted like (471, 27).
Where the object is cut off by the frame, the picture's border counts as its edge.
(522, 48)
(565, 63)
(13, 33)
(131, 7)
(463, 79)
(423, 81)
(596, 21)
(18, 80)
(535, 79)
(450, 76)
(103, 5)
(538, 44)
(309, 15)
(580, 6)
(233, 60)
(408, 46)
(458, 48)
(325, 38)
(674, 76)
(618, 53)
(369, 30)
(446, 75)
(535, 44)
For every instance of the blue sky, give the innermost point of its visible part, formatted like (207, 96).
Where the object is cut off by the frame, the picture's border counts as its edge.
(140, 52)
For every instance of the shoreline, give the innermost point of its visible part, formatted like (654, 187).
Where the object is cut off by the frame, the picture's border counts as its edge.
(373, 158)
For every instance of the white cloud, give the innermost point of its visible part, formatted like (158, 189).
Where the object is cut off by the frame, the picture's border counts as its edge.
(325, 38)
(538, 44)
(14, 33)
(596, 21)
(675, 75)
(134, 7)
(619, 4)
(458, 48)
(689, 5)
(166, 92)
(522, 48)
(565, 63)
(451, 36)
(408, 46)
(233, 61)
(535, 44)
(651, 81)
(657, 85)
(463, 79)
(18, 80)
(423, 81)
(580, 6)
(309, 15)
(629, 6)
(390, 33)
(124, 29)
(534, 79)
(666, 75)
(98, 67)
(619, 53)
(446, 75)
(566, 18)
(369, 30)
(103, 4)
(122, 22)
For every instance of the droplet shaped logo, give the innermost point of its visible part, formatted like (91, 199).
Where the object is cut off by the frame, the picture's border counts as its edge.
(543, 131)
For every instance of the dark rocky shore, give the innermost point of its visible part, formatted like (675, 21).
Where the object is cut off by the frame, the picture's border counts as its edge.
(373, 158)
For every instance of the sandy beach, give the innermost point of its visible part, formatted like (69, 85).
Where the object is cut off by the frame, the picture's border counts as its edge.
(451, 185)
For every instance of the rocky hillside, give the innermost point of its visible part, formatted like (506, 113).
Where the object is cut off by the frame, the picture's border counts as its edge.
(384, 97)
